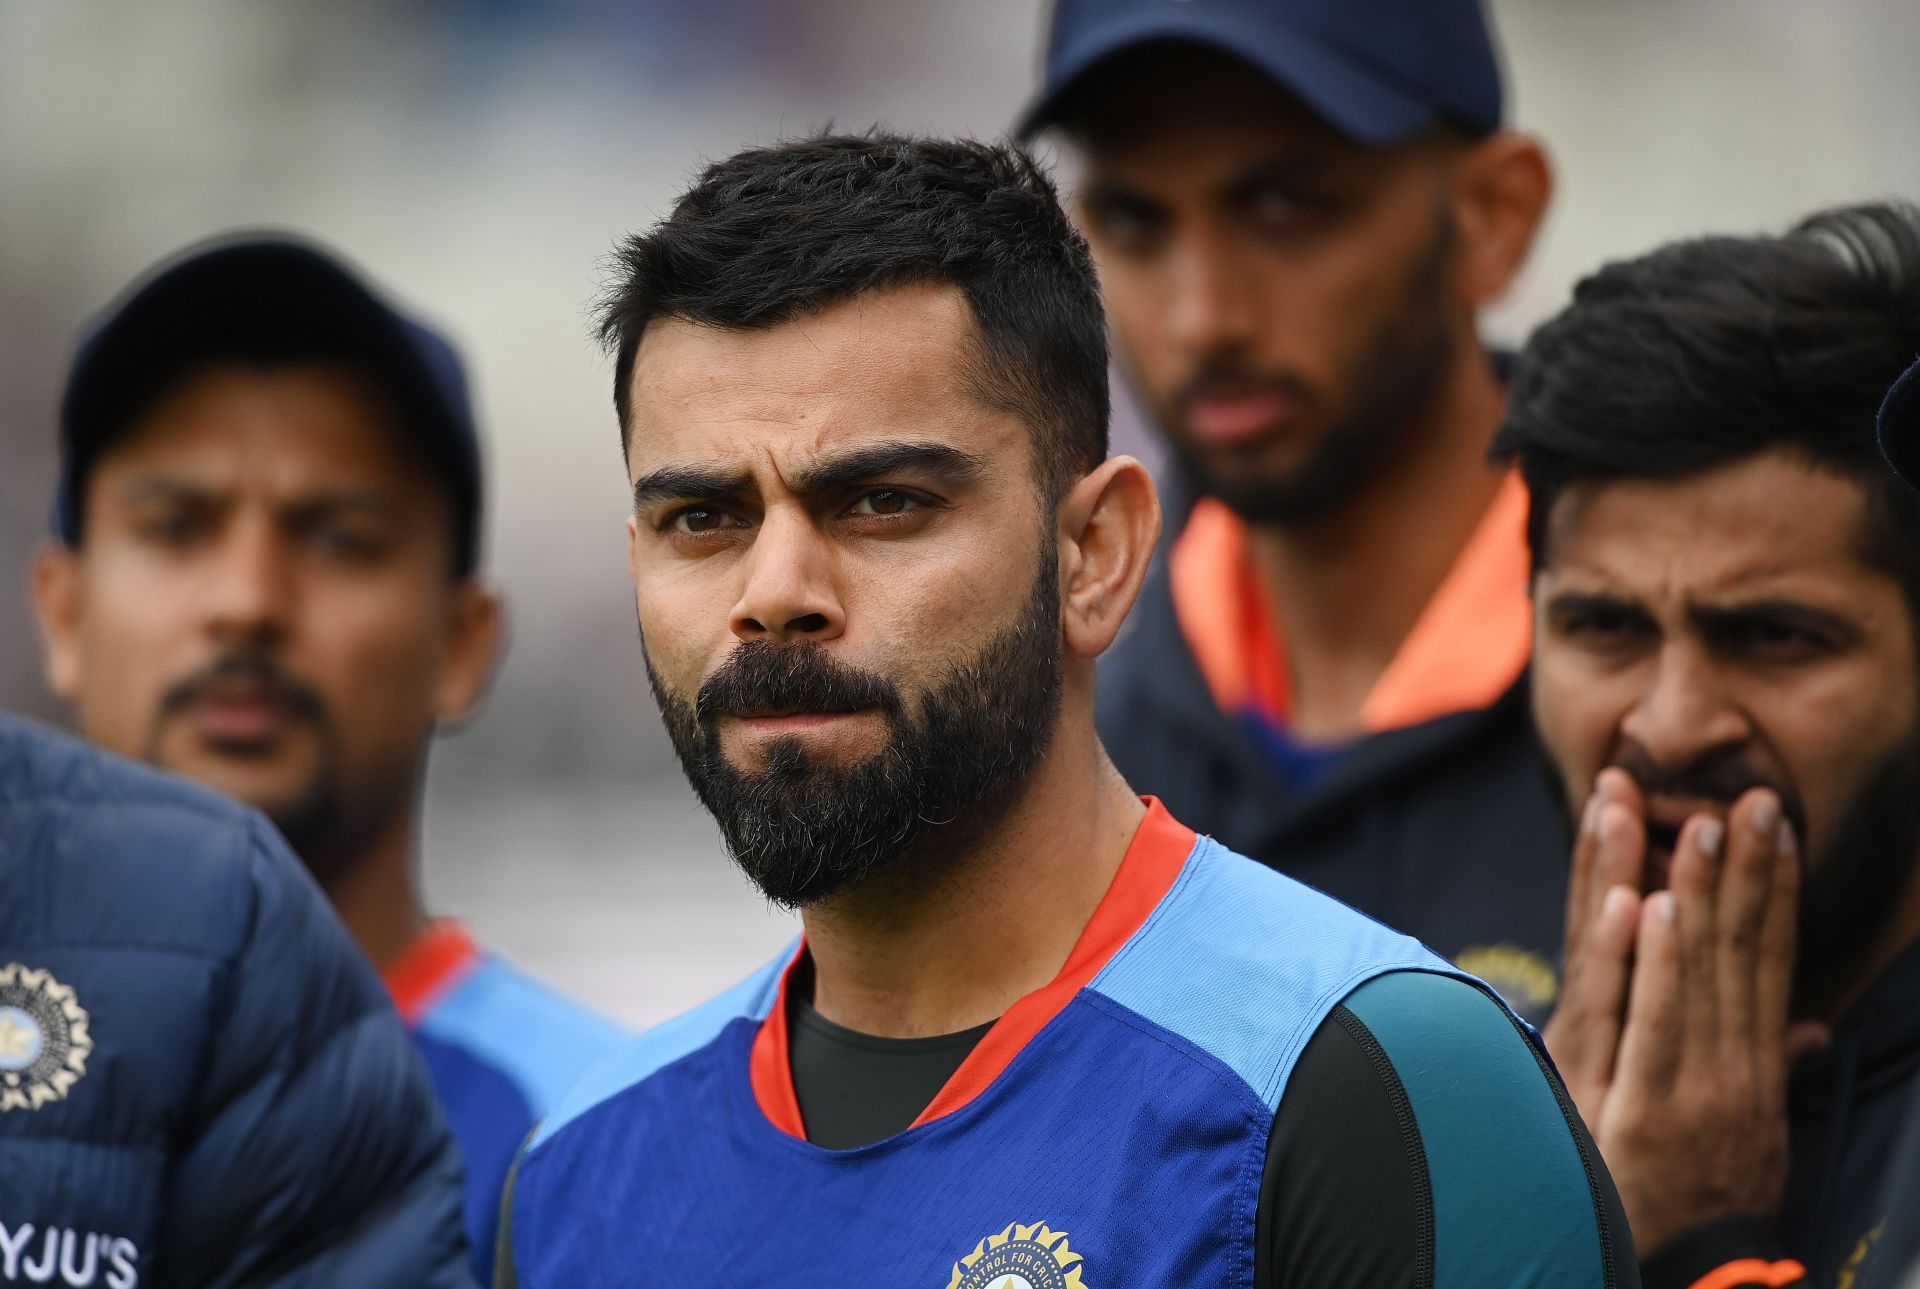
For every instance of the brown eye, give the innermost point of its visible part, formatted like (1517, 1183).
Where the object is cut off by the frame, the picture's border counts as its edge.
(884, 502)
(700, 519)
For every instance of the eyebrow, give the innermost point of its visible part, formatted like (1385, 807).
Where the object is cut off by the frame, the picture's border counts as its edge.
(1571, 602)
(1790, 612)
(712, 483)
(1285, 169)
(153, 489)
(1708, 618)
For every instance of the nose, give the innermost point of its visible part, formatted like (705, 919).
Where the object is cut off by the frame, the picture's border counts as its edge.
(1686, 713)
(250, 584)
(1212, 304)
(790, 591)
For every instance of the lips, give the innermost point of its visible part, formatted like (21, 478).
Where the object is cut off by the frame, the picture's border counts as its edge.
(1229, 417)
(240, 716)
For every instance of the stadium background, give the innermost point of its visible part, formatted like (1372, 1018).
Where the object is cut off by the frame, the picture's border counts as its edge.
(480, 156)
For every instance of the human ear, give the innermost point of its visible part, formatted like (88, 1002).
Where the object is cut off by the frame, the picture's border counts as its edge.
(54, 584)
(1504, 184)
(1109, 524)
(476, 643)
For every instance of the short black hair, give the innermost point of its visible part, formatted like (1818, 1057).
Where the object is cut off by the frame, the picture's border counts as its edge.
(772, 233)
(1708, 351)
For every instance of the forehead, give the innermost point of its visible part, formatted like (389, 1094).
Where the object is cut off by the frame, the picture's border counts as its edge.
(1769, 522)
(234, 425)
(884, 365)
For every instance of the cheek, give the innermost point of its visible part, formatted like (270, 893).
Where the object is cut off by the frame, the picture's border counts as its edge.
(134, 641)
(1577, 714)
(684, 624)
(374, 653)
(1832, 736)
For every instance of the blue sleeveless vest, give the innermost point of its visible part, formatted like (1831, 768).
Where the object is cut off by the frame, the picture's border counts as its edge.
(1108, 1133)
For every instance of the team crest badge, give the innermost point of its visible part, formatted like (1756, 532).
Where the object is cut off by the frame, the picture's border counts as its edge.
(1520, 976)
(1020, 1257)
(44, 1042)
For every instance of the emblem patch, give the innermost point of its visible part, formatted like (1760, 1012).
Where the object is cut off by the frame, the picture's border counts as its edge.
(44, 1042)
(1525, 979)
(1020, 1257)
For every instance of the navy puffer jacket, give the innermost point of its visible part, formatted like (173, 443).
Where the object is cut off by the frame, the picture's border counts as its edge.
(201, 1081)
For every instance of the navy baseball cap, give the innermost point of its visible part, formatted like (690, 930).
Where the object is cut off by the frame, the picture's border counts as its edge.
(264, 299)
(1378, 71)
(1900, 426)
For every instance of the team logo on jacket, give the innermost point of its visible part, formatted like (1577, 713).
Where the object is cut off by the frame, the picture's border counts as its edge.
(44, 1042)
(1020, 1257)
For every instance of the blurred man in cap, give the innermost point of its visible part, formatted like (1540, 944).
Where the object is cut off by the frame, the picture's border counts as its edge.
(264, 576)
(1727, 603)
(1298, 208)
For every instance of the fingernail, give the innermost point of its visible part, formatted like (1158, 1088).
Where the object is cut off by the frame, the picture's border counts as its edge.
(1788, 843)
(1766, 814)
(1661, 902)
(1707, 835)
(1590, 822)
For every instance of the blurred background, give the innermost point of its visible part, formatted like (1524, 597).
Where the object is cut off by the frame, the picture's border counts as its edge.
(479, 158)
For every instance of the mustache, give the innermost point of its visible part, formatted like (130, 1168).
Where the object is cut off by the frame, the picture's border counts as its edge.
(1720, 779)
(255, 668)
(765, 678)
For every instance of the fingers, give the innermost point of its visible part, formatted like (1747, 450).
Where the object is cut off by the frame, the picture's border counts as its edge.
(1695, 888)
(1609, 851)
(1747, 889)
(1650, 1045)
(1584, 1034)
(1775, 950)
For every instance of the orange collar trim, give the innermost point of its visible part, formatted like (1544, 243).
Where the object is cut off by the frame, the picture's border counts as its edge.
(438, 959)
(1147, 872)
(1468, 646)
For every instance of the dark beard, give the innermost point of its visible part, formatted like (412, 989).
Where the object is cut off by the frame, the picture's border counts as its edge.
(1395, 380)
(1851, 891)
(1850, 894)
(803, 832)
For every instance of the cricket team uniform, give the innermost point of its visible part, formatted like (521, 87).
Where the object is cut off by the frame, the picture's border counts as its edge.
(1233, 1080)
(501, 1049)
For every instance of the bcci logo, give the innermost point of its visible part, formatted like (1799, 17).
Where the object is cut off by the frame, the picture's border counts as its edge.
(43, 1038)
(1020, 1257)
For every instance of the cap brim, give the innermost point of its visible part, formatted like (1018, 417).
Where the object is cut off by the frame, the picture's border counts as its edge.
(1899, 426)
(1352, 100)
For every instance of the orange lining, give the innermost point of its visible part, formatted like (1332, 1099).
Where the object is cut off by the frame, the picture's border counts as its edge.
(439, 957)
(1153, 860)
(1468, 646)
(1752, 1271)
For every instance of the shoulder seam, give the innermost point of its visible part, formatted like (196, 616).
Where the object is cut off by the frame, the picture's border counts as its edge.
(1363, 1038)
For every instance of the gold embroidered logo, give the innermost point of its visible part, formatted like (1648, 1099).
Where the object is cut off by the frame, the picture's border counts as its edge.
(1020, 1257)
(44, 1042)
(1522, 977)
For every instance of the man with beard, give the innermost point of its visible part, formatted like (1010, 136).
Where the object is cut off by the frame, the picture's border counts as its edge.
(1037, 1031)
(1298, 208)
(1726, 678)
(264, 576)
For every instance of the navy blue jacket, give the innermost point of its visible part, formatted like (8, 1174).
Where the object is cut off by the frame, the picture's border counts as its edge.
(201, 1080)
